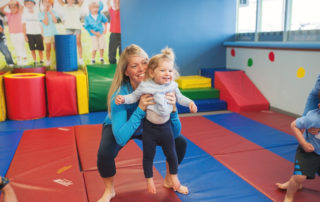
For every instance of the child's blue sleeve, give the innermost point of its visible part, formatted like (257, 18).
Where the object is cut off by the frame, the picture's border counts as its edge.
(176, 124)
(86, 24)
(302, 122)
(313, 98)
(104, 19)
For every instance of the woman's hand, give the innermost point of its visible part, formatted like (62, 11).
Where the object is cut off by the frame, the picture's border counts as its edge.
(145, 100)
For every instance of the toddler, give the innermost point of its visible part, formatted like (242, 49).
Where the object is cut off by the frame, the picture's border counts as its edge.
(157, 126)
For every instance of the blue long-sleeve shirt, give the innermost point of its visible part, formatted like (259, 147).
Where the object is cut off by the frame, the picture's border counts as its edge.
(95, 24)
(126, 119)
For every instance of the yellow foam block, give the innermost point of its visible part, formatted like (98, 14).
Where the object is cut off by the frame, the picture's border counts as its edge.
(3, 111)
(194, 81)
(82, 91)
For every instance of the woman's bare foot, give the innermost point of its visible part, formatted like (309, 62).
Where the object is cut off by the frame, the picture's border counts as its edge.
(107, 195)
(285, 185)
(150, 186)
(173, 182)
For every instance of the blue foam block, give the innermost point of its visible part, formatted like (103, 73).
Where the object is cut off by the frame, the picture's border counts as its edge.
(66, 52)
(205, 105)
(269, 138)
(9, 142)
(209, 72)
(207, 179)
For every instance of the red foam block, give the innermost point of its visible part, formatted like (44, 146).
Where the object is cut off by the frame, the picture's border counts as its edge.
(239, 92)
(45, 167)
(61, 94)
(25, 96)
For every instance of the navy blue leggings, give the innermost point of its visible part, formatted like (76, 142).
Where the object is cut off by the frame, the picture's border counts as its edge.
(158, 134)
(108, 150)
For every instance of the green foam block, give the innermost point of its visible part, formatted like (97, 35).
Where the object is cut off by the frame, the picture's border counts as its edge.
(201, 93)
(100, 78)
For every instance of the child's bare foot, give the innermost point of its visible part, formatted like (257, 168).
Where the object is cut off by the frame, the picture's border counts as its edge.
(150, 186)
(174, 183)
(285, 185)
(107, 196)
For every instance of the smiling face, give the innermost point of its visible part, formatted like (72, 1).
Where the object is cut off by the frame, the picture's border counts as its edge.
(163, 74)
(14, 8)
(136, 70)
(94, 8)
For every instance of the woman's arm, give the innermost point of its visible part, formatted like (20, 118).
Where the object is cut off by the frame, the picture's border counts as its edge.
(175, 121)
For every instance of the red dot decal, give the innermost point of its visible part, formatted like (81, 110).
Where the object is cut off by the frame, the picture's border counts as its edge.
(233, 52)
(271, 56)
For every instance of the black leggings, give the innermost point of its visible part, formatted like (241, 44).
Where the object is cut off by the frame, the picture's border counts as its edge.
(109, 149)
(158, 134)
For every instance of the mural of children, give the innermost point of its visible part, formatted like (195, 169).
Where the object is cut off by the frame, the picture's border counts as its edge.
(48, 20)
(3, 46)
(96, 25)
(32, 30)
(72, 24)
(115, 29)
(16, 29)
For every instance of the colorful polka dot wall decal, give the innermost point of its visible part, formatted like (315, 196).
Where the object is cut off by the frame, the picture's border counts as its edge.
(271, 56)
(250, 62)
(233, 52)
(301, 72)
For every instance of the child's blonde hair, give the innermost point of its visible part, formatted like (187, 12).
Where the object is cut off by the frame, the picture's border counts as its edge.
(166, 54)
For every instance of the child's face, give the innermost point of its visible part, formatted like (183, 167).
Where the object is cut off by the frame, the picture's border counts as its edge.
(94, 9)
(30, 5)
(13, 8)
(116, 4)
(70, 2)
(163, 74)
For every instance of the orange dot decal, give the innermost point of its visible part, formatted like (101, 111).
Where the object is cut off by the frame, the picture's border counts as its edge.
(271, 56)
(301, 72)
(233, 52)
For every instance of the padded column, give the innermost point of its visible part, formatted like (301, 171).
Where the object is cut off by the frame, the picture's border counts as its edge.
(25, 96)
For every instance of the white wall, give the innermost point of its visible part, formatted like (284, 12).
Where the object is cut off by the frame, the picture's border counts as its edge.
(278, 80)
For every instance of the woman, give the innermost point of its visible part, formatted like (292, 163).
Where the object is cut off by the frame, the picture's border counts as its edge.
(125, 123)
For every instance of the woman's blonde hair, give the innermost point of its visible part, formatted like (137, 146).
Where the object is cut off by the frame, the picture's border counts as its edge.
(166, 54)
(119, 76)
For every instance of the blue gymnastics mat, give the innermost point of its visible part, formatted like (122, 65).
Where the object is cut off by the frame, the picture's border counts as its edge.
(9, 142)
(207, 179)
(269, 138)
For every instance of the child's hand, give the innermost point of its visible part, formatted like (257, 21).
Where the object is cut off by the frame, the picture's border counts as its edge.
(193, 107)
(307, 147)
(119, 100)
(26, 38)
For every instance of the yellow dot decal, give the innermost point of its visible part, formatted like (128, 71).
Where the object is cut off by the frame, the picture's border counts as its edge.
(301, 72)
